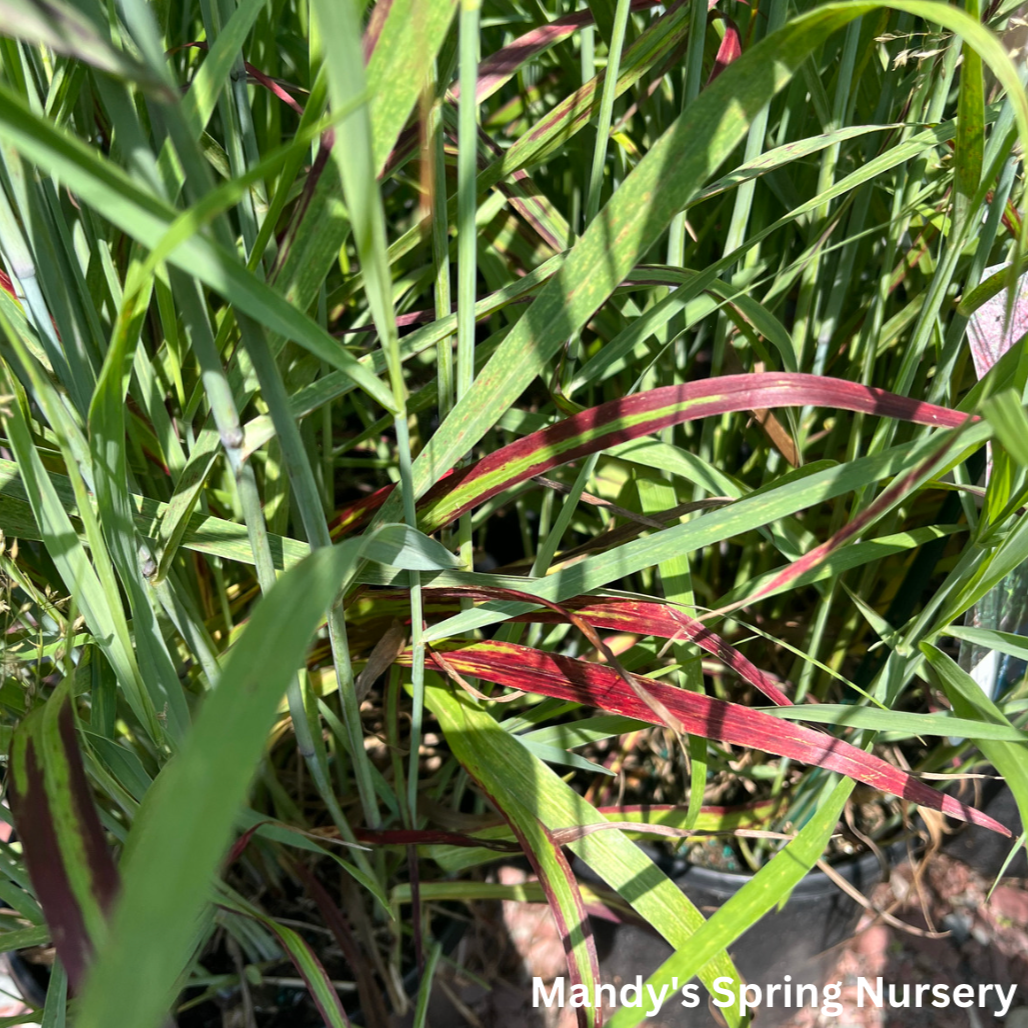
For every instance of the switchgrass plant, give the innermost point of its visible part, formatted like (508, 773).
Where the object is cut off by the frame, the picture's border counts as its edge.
(449, 430)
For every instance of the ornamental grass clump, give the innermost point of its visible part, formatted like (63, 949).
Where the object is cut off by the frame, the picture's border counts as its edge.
(449, 431)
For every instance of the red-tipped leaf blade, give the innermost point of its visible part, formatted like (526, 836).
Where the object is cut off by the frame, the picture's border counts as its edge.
(641, 414)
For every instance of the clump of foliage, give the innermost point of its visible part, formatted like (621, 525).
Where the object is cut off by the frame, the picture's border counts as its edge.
(453, 430)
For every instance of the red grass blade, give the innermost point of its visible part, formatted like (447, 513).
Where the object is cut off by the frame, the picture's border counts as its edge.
(639, 415)
(594, 685)
(729, 50)
(635, 616)
(665, 622)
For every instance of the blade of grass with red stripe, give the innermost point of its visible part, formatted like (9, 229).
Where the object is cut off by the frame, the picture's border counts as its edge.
(558, 880)
(576, 934)
(641, 414)
(594, 685)
(729, 50)
(66, 854)
(635, 616)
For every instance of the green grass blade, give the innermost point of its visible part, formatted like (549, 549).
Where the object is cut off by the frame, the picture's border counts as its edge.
(199, 102)
(970, 147)
(775, 880)
(505, 767)
(401, 65)
(971, 703)
(184, 827)
(118, 198)
(896, 721)
(98, 600)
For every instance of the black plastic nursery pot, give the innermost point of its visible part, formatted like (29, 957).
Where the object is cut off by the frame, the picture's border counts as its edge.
(986, 851)
(800, 940)
(31, 979)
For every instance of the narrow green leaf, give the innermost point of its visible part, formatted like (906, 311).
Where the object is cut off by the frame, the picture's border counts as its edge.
(24, 938)
(506, 769)
(105, 618)
(65, 30)
(971, 703)
(896, 721)
(304, 959)
(130, 552)
(184, 827)
(970, 148)
(1005, 642)
(1008, 417)
(202, 96)
(400, 65)
(114, 194)
(404, 547)
(764, 891)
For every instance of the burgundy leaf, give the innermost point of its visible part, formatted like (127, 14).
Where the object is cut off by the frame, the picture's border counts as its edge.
(33, 820)
(729, 50)
(594, 685)
(633, 616)
(54, 803)
(239, 846)
(636, 416)
(666, 622)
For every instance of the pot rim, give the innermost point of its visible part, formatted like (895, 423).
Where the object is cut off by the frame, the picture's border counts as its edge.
(859, 869)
